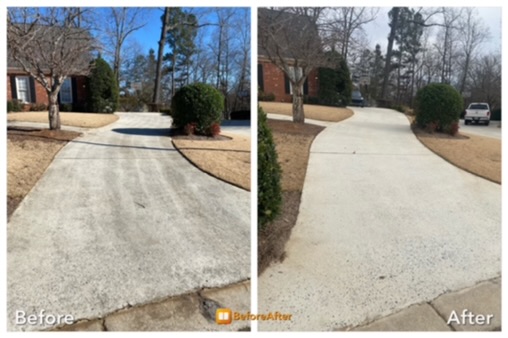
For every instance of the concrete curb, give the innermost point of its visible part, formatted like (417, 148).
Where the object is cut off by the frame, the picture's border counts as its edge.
(189, 312)
(477, 308)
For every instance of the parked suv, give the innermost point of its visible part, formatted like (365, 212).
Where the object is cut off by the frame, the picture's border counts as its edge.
(477, 112)
(357, 99)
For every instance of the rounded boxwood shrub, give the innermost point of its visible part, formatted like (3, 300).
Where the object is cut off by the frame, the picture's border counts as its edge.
(200, 105)
(438, 107)
(269, 173)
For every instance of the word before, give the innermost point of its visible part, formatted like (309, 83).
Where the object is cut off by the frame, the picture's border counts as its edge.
(468, 317)
(42, 318)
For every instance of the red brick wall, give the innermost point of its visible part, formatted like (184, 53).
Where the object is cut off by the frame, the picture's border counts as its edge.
(41, 97)
(273, 82)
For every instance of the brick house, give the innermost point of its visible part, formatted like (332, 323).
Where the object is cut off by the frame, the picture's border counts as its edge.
(29, 92)
(22, 87)
(271, 79)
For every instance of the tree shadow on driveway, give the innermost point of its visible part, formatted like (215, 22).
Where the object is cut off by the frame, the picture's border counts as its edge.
(143, 131)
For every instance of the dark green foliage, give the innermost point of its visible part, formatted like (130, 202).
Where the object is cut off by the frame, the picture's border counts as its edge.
(102, 88)
(438, 105)
(198, 103)
(269, 174)
(335, 85)
(14, 106)
(66, 107)
(269, 97)
(496, 115)
(310, 99)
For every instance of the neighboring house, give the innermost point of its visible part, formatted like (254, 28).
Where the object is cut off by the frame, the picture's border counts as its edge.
(271, 79)
(23, 87)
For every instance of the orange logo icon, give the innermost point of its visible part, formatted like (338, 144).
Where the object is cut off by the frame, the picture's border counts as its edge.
(223, 316)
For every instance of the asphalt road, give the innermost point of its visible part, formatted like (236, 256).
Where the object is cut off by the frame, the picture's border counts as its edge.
(120, 218)
(492, 130)
(384, 223)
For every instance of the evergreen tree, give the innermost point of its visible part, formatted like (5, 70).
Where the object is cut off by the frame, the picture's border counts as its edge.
(180, 39)
(102, 88)
(335, 85)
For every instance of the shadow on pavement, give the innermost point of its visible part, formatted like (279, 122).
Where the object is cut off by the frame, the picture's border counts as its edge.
(143, 131)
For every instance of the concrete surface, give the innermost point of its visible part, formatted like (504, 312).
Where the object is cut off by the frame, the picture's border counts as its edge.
(492, 130)
(241, 127)
(482, 299)
(479, 302)
(121, 219)
(383, 224)
(421, 317)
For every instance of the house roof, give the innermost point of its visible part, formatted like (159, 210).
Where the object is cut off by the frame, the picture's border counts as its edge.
(42, 39)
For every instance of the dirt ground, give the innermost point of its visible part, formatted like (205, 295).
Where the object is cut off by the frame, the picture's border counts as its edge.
(321, 113)
(476, 154)
(227, 159)
(293, 143)
(83, 120)
(29, 152)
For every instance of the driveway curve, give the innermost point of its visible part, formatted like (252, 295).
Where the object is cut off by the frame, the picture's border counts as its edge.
(384, 223)
(119, 219)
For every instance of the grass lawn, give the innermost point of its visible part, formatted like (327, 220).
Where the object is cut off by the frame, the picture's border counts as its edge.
(292, 141)
(228, 160)
(321, 113)
(475, 154)
(29, 153)
(478, 155)
(83, 120)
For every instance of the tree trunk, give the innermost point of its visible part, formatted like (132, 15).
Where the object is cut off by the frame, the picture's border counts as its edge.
(54, 112)
(158, 72)
(388, 65)
(173, 85)
(298, 114)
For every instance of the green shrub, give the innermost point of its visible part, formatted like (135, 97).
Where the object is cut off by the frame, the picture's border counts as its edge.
(496, 115)
(102, 88)
(438, 104)
(269, 97)
(335, 86)
(269, 174)
(200, 104)
(14, 106)
(310, 99)
(66, 107)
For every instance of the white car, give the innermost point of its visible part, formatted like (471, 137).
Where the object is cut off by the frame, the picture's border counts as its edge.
(477, 112)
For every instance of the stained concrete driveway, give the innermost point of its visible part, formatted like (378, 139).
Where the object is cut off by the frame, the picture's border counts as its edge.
(119, 219)
(384, 223)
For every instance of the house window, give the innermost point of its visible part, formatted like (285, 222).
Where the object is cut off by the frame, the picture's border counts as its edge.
(23, 88)
(66, 91)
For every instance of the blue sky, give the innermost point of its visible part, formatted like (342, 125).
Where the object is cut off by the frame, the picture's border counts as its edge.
(148, 36)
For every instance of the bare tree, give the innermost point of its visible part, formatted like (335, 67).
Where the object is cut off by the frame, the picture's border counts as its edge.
(291, 41)
(346, 22)
(486, 80)
(122, 22)
(47, 45)
(472, 34)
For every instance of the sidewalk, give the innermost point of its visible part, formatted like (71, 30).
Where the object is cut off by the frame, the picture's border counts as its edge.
(483, 299)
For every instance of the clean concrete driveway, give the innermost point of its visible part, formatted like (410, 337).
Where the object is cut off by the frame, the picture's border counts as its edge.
(492, 130)
(120, 218)
(383, 223)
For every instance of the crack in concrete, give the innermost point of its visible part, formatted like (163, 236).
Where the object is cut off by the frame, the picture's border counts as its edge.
(207, 307)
